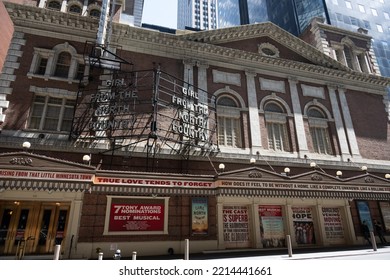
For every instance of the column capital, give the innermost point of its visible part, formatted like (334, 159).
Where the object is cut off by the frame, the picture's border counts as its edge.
(202, 64)
(335, 86)
(189, 62)
(250, 73)
(292, 79)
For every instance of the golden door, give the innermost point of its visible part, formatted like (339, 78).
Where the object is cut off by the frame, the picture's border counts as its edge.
(31, 227)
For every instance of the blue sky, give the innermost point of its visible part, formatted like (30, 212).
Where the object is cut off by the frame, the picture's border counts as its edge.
(160, 12)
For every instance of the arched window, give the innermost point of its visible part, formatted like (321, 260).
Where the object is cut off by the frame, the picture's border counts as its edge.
(276, 124)
(229, 128)
(94, 13)
(54, 5)
(63, 65)
(75, 9)
(351, 55)
(318, 123)
(60, 62)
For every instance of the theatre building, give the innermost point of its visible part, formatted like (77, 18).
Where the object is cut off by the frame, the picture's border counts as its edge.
(236, 138)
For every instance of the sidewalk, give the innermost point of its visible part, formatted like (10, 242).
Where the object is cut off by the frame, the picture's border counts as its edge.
(270, 254)
(277, 254)
(329, 254)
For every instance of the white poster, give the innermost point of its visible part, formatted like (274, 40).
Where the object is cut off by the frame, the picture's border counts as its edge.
(334, 231)
(236, 225)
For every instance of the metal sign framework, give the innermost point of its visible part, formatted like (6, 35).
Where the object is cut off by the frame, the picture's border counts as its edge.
(147, 111)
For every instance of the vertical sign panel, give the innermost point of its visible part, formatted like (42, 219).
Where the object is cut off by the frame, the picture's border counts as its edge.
(271, 226)
(200, 224)
(334, 230)
(236, 226)
(303, 225)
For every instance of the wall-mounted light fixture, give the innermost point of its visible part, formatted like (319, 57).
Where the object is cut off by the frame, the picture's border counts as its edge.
(387, 176)
(87, 159)
(313, 164)
(252, 160)
(221, 167)
(26, 145)
(287, 170)
(339, 173)
(364, 168)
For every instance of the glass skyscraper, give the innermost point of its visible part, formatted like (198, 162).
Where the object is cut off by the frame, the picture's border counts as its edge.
(373, 15)
(295, 15)
(198, 14)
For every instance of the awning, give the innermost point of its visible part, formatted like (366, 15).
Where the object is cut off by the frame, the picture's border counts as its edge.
(44, 185)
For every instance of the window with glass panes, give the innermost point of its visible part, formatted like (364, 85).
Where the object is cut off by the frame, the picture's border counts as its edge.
(52, 113)
(63, 65)
(54, 5)
(41, 69)
(94, 13)
(229, 129)
(318, 124)
(276, 124)
(80, 71)
(75, 9)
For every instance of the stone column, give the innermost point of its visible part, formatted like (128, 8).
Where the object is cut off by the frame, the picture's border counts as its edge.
(342, 138)
(353, 145)
(298, 117)
(202, 82)
(64, 5)
(188, 75)
(254, 119)
(42, 4)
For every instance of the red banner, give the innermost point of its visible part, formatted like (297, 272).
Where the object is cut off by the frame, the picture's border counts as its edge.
(136, 217)
(269, 211)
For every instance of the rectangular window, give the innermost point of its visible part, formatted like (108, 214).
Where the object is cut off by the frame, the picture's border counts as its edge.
(277, 136)
(80, 71)
(51, 113)
(386, 15)
(362, 9)
(37, 112)
(229, 132)
(367, 24)
(379, 28)
(348, 4)
(374, 12)
(53, 110)
(348, 57)
(321, 141)
(41, 66)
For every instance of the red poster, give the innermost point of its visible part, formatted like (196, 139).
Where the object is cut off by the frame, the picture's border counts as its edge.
(270, 211)
(136, 217)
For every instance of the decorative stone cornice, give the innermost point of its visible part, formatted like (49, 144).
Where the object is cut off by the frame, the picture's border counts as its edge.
(200, 46)
(267, 29)
(29, 18)
(179, 46)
